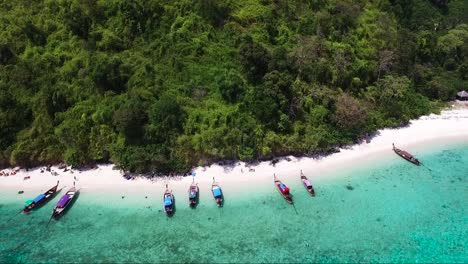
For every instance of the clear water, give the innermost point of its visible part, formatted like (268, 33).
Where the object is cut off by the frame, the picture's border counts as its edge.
(387, 212)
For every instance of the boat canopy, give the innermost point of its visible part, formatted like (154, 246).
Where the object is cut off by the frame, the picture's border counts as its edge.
(167, 201)
(284, 189)
(63, 201)
(39, 198)
(307, 183)
(216, 191)
(28, 202)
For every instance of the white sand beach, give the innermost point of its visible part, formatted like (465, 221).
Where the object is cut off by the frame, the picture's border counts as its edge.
(450, 126)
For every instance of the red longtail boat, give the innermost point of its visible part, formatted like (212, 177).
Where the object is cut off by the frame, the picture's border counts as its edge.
(283, 189)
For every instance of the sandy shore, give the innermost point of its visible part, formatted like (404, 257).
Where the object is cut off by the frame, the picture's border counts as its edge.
(450, 126)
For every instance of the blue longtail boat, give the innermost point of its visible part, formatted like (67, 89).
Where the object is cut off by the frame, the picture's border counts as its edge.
(168, 202)
(194, 193)
(217, 193)
(41, 199)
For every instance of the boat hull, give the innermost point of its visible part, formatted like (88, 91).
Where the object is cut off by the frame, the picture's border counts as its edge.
(193, 201)
(219, 199)
(60, 210)
(410, 158)
(310, 190)
(48, 196)
(169, 210)
(288, 196)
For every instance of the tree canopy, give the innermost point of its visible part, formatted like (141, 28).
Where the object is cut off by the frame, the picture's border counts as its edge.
(161, 86)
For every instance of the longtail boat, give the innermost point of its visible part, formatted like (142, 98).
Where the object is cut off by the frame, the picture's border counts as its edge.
(64, 202)
(307, 184)
(193, 193)
(168, 202)
(217, 193)
(283, 189)
(41, 199)
(406, 155)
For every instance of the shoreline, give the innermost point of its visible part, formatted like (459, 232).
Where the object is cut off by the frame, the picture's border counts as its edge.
(451, 126)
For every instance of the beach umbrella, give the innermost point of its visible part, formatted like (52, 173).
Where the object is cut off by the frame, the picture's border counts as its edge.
(463, 95)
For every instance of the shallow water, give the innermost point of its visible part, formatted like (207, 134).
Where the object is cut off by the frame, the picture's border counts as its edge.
(392, 211)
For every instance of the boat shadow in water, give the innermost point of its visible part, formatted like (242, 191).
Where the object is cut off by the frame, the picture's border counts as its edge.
(72, 202)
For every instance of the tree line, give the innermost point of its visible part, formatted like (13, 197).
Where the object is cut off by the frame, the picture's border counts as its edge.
(161, 86)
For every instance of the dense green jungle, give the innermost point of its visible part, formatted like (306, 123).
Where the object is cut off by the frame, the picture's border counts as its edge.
(163, 85)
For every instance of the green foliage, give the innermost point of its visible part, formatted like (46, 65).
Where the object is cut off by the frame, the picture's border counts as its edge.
(110, 73)
(455, 43)
(129, 120)
(13, 117)
(166, 118)
(254, 58)
(231, 86)
(166, 85)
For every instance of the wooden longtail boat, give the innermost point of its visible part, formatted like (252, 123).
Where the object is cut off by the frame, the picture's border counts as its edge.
(64, 202)
(41, 199)
(168, 202)
(217, 193)
(283, 189)
(406, 155)
(307, 184)
(193, 193)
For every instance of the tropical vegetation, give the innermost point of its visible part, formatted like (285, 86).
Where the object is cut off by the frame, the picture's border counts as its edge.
(164, 85)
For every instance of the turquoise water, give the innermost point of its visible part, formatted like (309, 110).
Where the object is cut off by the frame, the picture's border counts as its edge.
(392, 211)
